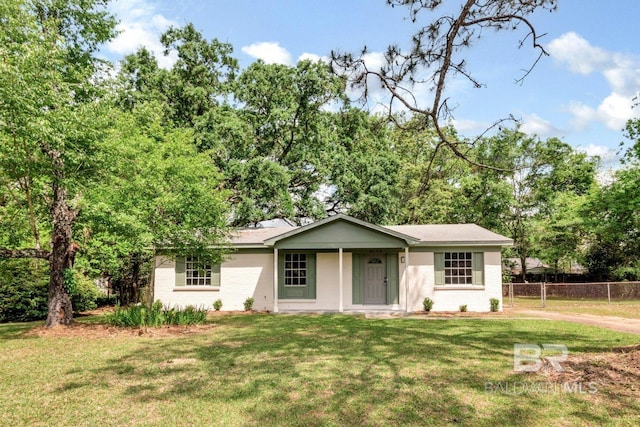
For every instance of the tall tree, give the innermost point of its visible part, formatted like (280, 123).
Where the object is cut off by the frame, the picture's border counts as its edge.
(284, 160)
(156, 192)
(50, 121)
(437, 53)
(533, 179)
(364, 169)
(613, 218)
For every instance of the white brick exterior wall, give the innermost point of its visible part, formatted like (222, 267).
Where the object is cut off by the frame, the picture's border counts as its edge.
(251, 275)
(241, 276)
(450, 298)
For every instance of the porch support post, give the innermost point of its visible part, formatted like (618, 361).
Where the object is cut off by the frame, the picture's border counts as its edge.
(275, 280)
(340, 282)
(406, 280)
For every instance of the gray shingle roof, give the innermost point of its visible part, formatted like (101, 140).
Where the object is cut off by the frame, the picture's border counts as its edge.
(431, 234)
(451, 233)
(257, 236)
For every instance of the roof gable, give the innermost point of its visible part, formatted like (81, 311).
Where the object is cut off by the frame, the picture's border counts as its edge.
(340, 231)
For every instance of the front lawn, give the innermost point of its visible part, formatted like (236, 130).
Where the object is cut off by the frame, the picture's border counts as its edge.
(266, 369)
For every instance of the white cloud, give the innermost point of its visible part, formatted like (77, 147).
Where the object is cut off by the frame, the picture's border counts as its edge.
(609, 161)
(269, 52)
(532, 124)
(613, 112)
(139, 26)
(621, 71)
(469, 126)
(577, 53)
(605, 153)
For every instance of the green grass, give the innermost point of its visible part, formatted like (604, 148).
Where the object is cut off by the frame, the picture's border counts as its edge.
(299, 370)
(627, 308)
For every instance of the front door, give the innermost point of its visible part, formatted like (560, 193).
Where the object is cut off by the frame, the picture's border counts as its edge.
(375, 280)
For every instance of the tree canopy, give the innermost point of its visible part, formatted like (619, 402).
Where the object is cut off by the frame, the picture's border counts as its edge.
(107, 169)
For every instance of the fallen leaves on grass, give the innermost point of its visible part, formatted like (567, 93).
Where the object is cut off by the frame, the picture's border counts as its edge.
(85, 330)
(617, 371)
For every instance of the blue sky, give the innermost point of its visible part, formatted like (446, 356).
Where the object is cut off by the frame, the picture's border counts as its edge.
(582, 93)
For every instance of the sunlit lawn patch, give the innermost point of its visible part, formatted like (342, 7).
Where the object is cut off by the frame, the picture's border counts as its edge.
(622, 308)
(265, 369)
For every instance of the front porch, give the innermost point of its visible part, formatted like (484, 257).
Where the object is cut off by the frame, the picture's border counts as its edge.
(338, 266)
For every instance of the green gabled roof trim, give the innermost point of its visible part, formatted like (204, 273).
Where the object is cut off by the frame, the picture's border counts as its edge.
(408, 240)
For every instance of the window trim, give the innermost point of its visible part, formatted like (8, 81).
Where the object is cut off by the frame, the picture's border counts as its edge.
(296, 259)
(477, 269)
(458, 268)
(181, 277)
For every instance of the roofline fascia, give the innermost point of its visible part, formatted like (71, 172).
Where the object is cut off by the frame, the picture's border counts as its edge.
(409, 240)
(506, 243)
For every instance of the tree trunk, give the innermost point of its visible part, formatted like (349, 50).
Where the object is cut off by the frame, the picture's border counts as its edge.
(60, 310)
(135, 278)
(523, 263)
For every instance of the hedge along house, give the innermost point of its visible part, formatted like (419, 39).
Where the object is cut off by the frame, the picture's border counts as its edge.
(343, 264)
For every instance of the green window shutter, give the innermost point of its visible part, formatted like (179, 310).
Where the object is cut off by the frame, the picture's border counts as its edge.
(438, 261)
(478, 268)
(393, 278)
(357, 278)
(181, 277)
(215, 275)
(311, 276)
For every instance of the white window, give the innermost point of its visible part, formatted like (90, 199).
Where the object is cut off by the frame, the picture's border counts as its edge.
(295, 269)
(458, 268)
(197, 273)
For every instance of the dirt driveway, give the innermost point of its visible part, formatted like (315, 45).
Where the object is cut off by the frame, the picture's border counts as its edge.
(610, 322)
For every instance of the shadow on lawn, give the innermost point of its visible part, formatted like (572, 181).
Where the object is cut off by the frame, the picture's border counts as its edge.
(330, 369)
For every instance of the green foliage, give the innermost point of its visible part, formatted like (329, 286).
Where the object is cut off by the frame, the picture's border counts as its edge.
(85, 295)
(160, 191)
(106, 301)
(463, 308)
(23, 290)
(248, 304)
(612, 218)
(494, 304)
(217, 305)
(139, 316)
(69, 281)
(427, 303)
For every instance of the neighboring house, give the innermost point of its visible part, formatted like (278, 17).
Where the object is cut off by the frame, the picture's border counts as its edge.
(538, 271)
(343, 264)
(534, 266)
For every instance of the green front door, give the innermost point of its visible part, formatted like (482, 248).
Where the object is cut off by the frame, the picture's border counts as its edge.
(375, 279)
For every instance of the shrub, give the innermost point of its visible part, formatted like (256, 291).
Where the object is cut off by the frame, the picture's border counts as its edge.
(495, 304)
(85, 294)
(139, 316)
(463, 308)
(427, 303)
(217, 305)
(23, 290)
(248, 304)
(106, 301)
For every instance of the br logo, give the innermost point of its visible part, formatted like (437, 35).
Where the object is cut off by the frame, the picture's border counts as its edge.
(528, 357)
